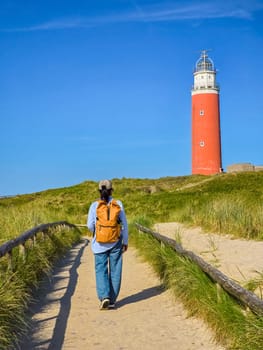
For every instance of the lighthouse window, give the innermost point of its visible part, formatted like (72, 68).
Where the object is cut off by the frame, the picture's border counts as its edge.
(202, 112)
(202, 143)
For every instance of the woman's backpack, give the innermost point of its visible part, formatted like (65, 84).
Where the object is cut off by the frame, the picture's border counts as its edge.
(108, 226)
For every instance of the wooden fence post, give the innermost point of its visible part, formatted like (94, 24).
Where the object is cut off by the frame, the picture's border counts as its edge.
(22, 250)
(10, 260)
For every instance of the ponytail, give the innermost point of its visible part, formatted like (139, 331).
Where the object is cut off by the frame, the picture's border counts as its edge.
(105, 194)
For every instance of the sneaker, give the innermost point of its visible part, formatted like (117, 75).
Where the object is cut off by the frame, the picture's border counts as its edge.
(111, 306)
(104, 304)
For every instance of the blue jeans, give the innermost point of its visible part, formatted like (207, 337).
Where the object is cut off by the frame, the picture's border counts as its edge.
(108, 268)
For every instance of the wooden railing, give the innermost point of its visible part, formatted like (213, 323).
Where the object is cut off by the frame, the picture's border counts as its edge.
(248, 298)
(44, 229)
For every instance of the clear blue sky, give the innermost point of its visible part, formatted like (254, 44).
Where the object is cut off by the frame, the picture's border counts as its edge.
(102, 89)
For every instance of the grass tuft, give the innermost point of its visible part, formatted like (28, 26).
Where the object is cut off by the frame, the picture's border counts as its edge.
(17, 286)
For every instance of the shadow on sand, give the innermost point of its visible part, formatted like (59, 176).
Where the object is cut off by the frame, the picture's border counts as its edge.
(69, 263)
(142, 295)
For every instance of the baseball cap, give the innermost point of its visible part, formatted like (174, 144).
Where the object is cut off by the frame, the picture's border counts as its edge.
(106, 183)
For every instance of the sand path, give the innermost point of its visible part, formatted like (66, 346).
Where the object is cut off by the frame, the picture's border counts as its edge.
(147, 317)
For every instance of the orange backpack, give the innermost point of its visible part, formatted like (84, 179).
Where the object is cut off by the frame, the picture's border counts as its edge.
(107, 221)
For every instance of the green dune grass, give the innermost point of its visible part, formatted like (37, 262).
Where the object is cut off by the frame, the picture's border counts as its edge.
(225, 203)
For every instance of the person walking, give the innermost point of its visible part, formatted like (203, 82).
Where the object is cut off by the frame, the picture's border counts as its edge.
(108, 224)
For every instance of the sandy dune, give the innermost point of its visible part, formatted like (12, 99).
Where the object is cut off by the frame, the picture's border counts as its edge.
(239, 259)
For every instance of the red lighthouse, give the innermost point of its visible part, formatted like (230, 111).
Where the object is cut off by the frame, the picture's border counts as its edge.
(206, 139)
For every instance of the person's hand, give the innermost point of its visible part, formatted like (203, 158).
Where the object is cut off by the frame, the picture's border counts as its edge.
(124, 248)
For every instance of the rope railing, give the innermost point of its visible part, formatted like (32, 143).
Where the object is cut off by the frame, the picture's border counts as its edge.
(248, 298)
